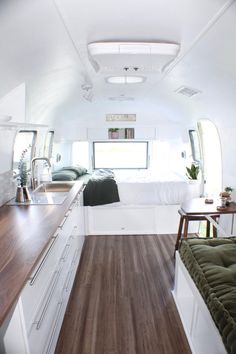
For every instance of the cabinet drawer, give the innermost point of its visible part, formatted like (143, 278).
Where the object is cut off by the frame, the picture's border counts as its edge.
(71, 267)
(38, 284)
(42, 328)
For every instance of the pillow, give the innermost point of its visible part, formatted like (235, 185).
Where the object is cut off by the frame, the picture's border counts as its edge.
(105, 172)
(79, 170)
(65, 175)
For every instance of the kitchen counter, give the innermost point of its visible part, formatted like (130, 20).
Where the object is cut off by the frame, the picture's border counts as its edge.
(25, 232)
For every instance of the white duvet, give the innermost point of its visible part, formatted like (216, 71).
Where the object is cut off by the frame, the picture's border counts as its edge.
(161, 190)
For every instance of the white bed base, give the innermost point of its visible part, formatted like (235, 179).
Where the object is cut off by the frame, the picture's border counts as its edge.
(199, 327)
(121, 219)
(118, 219)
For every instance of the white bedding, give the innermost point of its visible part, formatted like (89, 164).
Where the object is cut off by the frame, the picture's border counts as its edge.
(165, 190)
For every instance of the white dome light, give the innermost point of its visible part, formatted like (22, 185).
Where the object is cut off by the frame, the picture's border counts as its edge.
(125, 79)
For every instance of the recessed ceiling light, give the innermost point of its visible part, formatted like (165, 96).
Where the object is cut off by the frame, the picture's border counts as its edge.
(125, 79)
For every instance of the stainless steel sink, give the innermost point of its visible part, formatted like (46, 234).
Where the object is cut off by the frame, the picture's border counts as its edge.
(54, 187)
(48, 193)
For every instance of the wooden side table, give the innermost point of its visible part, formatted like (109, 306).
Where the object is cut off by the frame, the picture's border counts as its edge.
(197, 210)
(184, 222)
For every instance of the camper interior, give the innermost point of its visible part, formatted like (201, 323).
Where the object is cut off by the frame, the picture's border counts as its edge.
(117, 130)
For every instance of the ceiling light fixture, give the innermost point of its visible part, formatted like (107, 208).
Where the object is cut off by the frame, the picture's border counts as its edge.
(125, 79)
(152, 48)
(108, 57)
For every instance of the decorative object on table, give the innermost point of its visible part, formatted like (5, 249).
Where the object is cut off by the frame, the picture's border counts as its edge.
(192, 172)
(227, 194)
(209, 201)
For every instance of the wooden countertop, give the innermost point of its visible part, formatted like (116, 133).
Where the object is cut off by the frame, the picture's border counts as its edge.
(25, 232)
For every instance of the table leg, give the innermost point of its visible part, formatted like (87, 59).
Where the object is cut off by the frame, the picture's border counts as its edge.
(186, 227)
(214, 228)
(208, 228)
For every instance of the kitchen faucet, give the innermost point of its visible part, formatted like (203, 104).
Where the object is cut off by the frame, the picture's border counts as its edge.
(34, 181)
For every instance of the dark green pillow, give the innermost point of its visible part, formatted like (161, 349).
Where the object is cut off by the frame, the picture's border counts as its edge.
(79, 170)
(64, 175)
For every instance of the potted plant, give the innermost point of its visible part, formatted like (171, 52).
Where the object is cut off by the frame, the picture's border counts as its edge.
(227, 193)
(114, 133)
(192, 172)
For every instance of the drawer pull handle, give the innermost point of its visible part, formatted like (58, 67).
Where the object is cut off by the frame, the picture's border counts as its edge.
(75, 256)
(36, 274)
(65, 252)
(59, 305)
(72, 205)
(63, 222)
(56, 276)
(67, 282)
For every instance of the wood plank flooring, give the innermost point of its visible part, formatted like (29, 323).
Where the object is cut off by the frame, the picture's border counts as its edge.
(121, 302)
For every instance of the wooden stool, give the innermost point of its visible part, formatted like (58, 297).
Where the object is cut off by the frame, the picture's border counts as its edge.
(184, 221)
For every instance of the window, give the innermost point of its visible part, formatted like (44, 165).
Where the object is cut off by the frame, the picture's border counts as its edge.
(48, 144)
(195, 145)
(80, 153)
(211, 151)
(23, 147)
(123, 155)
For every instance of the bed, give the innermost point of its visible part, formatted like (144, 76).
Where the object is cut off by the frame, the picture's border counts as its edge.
(205, 293)
(150, 189)
(133, 202)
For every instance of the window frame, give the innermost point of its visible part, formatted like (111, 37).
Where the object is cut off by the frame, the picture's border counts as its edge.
(50, 144)
(193, 145)
(122, 142)
(32, 152)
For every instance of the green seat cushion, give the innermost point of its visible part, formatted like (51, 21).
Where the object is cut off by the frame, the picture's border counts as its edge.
(212, 265)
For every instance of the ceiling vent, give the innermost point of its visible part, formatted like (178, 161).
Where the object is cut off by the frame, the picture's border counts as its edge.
(121, 98)
(109, 57)
(187, 91)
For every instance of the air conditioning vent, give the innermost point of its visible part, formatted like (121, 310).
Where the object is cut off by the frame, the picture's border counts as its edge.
(187, 91)
(121, 98)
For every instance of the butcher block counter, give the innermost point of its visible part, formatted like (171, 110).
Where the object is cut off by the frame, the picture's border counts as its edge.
(25, 232)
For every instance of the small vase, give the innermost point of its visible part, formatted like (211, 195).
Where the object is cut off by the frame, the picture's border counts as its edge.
(26, 194)
(19, 195)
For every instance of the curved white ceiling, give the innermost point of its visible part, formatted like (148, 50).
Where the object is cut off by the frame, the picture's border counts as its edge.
(44, 44)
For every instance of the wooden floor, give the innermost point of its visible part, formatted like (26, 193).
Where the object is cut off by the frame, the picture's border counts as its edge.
(121, 301)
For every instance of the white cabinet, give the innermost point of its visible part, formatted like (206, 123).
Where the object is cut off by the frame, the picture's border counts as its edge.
(40, 309)
(199, 327)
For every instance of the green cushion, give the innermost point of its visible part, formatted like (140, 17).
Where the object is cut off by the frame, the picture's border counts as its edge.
(79, 170)
(212, 265)
(64, 175)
